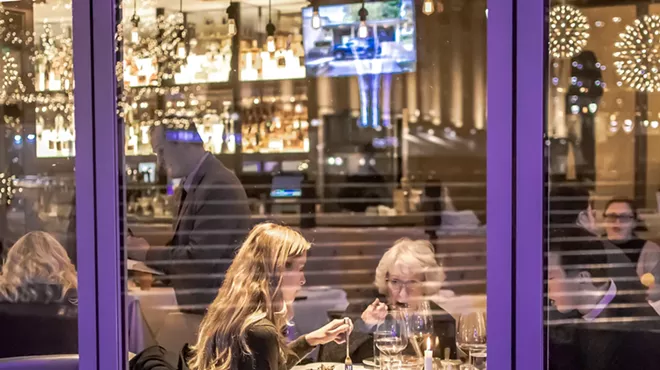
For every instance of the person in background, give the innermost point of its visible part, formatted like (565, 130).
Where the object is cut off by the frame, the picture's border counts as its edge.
(38, 298)
(621, 224)
(610, 322)
(571, 216)
(211, 219)
(406, 277)
(243, 328)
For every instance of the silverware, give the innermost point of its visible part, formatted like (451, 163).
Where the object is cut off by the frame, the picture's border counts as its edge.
(348, 363)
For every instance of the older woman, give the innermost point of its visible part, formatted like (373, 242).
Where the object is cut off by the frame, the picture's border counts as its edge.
(406, 276)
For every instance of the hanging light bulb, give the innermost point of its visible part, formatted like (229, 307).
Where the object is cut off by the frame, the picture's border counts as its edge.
(135, 20)
(231, 27)
(428, 7)
(270, 31)
(135, 31)
(181, 52)
(231, 22)
(316, 20)
(270, 44)
(363, 31)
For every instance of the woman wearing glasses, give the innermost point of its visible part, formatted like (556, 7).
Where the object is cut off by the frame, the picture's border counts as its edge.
(406, 276)
(621, 225)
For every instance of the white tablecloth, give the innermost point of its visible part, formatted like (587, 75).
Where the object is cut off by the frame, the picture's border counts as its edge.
(146, 312)
(312, 313)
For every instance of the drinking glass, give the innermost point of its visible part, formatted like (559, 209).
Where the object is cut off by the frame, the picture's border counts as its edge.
(391, 337)
(471, 334)
(420, 328)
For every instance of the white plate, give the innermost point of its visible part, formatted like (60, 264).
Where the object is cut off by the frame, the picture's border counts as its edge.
(317, 366)
(370, 361)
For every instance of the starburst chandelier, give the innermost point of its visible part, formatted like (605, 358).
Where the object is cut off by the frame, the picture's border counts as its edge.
(569, 31)
(637, 59)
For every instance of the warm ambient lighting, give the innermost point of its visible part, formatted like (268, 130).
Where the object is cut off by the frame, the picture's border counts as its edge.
(316, 20)
(428, 7)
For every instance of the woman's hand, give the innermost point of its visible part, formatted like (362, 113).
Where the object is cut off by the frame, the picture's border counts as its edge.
(375, 313)
(335, 330)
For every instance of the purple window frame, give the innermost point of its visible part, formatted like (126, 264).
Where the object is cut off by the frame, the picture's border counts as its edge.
(514, 203)
(529, 127)
(101, 328)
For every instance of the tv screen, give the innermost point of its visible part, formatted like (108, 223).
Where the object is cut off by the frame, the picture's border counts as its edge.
(335, 48)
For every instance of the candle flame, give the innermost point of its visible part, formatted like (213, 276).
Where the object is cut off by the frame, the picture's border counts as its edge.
(428, 343)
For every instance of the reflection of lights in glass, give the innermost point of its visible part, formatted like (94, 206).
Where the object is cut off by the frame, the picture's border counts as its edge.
(372, 162)
(599, 24)
(231, 27)
(316, 20)
(616, 19)
(593, 107)
(331, 161)
(428, 7)
(645, 123)
(362, 162)
(18, 139)
(339, 161)
(31, 137)
(635, 59)
(575, 109)
(654, 124)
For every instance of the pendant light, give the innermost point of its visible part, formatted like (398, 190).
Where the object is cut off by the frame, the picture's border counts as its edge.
(316, 18)
(270, 31)
(135, 20)
(181, 51)
(428, 7)
(231, 21)
(363, 31)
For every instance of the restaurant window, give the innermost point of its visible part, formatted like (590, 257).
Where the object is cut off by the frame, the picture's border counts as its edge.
(360, 125)
(38, 279)
(602, 185)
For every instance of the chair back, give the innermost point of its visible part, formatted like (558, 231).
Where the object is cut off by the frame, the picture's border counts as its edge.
(50, 362)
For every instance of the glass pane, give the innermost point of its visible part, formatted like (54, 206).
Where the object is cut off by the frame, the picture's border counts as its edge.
(602, 185)
(367, 136)
(38, 281)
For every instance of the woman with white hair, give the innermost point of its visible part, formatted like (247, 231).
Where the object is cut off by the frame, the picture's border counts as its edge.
(406, 277)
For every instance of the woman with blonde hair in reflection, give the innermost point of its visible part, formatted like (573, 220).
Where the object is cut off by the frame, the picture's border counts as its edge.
(243, 328)
(38, 270)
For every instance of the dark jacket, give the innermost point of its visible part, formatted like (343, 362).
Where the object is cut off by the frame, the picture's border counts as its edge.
(211, 223)
(263, 342)
(362, 342)
(615, 340)
(46, 325)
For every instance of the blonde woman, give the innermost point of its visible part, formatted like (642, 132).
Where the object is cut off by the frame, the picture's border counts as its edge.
(406, 276)
(243, 328)
(38, 270)
(38, 299)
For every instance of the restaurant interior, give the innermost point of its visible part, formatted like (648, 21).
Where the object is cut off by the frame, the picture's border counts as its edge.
(357, 123)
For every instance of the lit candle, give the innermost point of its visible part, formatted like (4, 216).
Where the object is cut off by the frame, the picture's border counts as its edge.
(428, 355)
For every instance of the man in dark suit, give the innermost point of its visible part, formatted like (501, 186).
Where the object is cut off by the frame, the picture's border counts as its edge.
(211, 220)
(605, 324)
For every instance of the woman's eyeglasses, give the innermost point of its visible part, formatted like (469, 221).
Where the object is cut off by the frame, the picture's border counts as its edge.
(397, 284)
(613, 217)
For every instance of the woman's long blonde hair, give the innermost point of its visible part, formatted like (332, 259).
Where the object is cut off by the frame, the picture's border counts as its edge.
(249, 293)
(36, 259)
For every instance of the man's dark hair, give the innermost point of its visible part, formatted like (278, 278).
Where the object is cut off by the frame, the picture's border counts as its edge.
(180, 130)
(566, 201)
(580, 252)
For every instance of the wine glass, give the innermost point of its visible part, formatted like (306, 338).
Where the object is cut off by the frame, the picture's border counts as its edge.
(471, 334)
(420, 327)
(391, 336)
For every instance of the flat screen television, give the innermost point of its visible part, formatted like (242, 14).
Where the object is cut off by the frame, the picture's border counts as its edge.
(335, 49)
